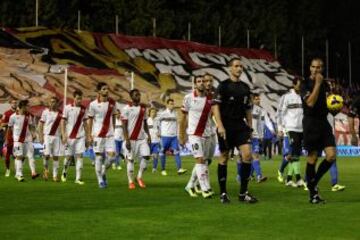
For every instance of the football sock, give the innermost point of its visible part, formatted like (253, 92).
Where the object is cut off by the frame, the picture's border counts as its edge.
(162, 160)
(256, 167)
(32, 165)
(290, 171)
(130, 170)
(66, 165)
(238, 168)
(207, 176)
(55, 168)
(46, 163)
(98, 166)
(310, 177)
(322, 169)
(283, 165)
(222, 175)
(296, 167)
(7, 159)
(155, 161)
(177, 159)
(193, 178)
(16, 167)
(117, 159)
(92, 154)
(245, 174)
(142, 168)
(79, 166)
(201, 175)
(19, 167)
(334, 174)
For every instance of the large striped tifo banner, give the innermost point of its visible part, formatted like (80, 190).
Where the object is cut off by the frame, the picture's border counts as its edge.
(158, 65)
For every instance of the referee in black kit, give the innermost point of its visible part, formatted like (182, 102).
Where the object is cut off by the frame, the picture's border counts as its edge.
(232, 106)
(318, 134)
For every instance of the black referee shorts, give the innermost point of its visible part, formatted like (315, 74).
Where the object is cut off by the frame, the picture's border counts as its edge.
(318, 134)
(235, 138)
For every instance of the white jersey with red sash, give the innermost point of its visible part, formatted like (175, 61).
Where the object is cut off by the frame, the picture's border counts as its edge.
(51, 121)
(75, 117)
(135, 116)
(198, 109)
(5, 121)
(20, 125)
(102, 114)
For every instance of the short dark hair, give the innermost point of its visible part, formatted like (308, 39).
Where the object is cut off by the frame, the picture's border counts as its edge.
(207, 74)
(23, 103)
(169, 100)
(256, 95)
(133, 91)
(317, 59)
(196, 77)
(151, 109)
(296, 79)
(100, 85)
(231, 62)
(55, 98)
(77, 93)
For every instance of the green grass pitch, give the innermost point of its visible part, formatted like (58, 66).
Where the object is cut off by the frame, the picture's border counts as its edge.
(46, 210)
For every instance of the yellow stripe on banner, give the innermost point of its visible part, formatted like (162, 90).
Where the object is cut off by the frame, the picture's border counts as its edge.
(166, 81)
(114, 50)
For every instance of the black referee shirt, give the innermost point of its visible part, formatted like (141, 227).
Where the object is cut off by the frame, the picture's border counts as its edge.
(234, 100)
(319, 110)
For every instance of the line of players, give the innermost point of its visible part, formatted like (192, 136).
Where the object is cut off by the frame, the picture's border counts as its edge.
(68, 133)
(99, 125)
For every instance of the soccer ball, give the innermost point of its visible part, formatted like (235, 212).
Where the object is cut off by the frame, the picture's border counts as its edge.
(334, 102)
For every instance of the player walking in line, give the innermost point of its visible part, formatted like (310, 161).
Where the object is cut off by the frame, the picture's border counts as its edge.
(153, 124)
(136, 138)
(21, 125)
(168, 136)
(73, 132)
(102, 113)
(197, 105)
(8, 143)
(49, 135)
(119, 138)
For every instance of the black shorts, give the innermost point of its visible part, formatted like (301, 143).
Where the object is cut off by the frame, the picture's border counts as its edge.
(295, 139)
(235, 138)
(318, 134)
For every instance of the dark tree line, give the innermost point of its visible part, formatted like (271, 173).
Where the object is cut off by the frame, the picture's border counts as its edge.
(283, 20)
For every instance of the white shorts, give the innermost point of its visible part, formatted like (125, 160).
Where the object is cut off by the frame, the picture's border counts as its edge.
(210, 145)
(102, 145)
(25, 149)
(53, 146)
(197, 146)
(75, 146)
(139, 148)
